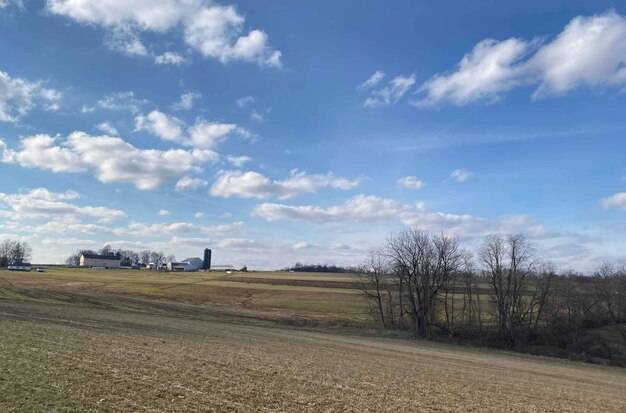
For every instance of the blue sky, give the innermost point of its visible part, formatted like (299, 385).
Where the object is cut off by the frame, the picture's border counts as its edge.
(275, 132)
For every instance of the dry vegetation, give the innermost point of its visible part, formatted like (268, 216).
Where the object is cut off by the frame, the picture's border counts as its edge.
(81, 340)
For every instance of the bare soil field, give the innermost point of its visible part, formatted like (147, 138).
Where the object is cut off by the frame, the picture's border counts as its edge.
(99, 342)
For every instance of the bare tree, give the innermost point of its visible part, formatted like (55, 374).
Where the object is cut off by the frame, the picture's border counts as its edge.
(425, 264)
(374, 282)
(508, 262)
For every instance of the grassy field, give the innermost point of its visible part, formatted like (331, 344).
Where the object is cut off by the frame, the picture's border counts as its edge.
(86, 340)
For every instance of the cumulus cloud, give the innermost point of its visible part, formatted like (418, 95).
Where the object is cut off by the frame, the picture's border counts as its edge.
(107, 128)
(590, 51)
(371, 208)
(238, 161)
(617, 200)
(18, 97)
(210, 29)
(124, 40)
(187, 183)
(411, 182)
(372, 80)
(202, 134)
(186, 101)
(390, 94)
(40, 203)
(253, 184)
(460, 175)
(170, 58)
(167, 128)
(110, 159)
(163, 212)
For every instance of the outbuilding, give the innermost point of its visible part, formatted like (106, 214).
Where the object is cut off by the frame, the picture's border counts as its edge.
(94, 260)
(20, 266)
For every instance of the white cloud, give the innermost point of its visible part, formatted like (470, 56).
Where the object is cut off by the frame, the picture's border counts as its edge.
(212, 30)
(186, 101)
(390, 94)
(198, 215)
(238, 161)
(170, 58)
(6, 3)
(357, 208)
(123, 39)
(187, 183)
(460, 175)
(590, 51)
(163, 212)
(617, 200)
(411, 182)
(138, 229)
(167, 128)
(40, 203)
(253, 184)
(488, 70)
(202, 134)
(372, 80)
(42, 151)
(256, 116)
(371, 208)
(244, 101)
(122, 101)
(107, 128)
(87, 109)
(18, 97)
(111, 159)
(208, 134)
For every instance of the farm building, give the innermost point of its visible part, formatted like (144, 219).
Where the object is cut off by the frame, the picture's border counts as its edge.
(106, 261)
(181, 266)
(20, 266)
(196, 262)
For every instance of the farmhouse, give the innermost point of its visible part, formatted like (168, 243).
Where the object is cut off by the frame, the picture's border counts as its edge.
(94, 260)
(20, 266)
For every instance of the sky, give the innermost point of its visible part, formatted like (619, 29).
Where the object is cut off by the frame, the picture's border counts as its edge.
(280, 132)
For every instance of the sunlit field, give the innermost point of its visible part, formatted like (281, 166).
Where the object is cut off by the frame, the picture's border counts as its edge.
(115, 340)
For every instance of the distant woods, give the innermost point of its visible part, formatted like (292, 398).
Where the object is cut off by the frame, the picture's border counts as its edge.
(317, 268)
(504, 296)
(14, 252)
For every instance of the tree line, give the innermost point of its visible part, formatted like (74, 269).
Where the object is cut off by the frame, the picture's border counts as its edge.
(502, 296)
(14, 252)
(127, 257)
(298, 267)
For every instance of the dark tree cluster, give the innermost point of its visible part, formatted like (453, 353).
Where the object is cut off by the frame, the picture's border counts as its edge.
(316, 268)
(504, 296)
(14, 252)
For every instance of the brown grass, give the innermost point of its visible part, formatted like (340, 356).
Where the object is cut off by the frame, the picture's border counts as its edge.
(111, 341)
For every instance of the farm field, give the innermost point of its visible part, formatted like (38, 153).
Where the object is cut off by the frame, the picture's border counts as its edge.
(82, 340)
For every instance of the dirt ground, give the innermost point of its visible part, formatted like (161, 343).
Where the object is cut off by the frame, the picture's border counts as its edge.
(113, 341)
(64, 357)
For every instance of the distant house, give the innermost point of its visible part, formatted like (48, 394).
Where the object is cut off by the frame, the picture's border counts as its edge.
(20, 266)
(94, 260)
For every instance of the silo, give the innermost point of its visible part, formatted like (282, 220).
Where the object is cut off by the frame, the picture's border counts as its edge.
(206, 263)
